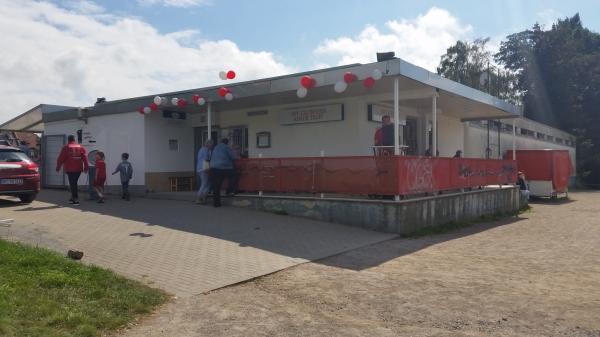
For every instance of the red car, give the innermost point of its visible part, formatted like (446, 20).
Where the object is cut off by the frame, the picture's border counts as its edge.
(19, 175)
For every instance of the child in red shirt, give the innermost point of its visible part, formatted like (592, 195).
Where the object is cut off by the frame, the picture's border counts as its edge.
(100, 177)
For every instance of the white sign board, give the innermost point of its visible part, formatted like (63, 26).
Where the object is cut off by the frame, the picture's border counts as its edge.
(312, 114)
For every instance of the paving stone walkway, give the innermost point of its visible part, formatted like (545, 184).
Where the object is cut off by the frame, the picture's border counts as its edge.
(177, 246)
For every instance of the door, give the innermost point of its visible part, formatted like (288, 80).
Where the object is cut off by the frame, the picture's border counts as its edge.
(51, 146)
(410, 136)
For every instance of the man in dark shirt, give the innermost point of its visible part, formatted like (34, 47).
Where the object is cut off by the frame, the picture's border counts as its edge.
(522, 185)
(384, 136)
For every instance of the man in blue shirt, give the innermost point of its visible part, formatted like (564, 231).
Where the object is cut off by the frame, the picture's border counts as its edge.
(221, 167)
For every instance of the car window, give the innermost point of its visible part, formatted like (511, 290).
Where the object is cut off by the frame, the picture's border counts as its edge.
(12, 156)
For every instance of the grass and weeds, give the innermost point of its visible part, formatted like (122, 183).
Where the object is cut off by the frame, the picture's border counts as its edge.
(453, 225)
(45, 294)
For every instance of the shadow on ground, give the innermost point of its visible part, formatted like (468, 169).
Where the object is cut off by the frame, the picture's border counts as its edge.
(285, 235)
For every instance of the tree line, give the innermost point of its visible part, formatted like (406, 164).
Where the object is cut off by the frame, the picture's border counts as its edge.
(554, 74)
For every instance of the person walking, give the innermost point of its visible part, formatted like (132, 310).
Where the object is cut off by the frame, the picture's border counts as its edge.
(73, 158)
(100, 176)
(221, 166)
(125, 171)
(202, 171)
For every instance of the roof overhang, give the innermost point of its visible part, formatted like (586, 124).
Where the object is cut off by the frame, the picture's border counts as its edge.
(31, 120)
(417, 87)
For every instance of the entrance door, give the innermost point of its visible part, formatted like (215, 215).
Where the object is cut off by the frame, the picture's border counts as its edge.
(410, 136)
(51, 146)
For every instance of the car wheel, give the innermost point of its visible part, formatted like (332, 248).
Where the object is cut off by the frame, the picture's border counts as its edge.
(27, 198)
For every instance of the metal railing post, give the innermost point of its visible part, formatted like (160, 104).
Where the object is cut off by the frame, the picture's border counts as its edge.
(260, 174)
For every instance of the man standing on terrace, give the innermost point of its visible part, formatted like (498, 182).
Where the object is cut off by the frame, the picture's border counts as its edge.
(384, 137)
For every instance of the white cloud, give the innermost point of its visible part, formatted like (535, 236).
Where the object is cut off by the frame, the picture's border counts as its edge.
(548, 17)
(57, 55)
(420, 41)
(175, 3)
(83, 6)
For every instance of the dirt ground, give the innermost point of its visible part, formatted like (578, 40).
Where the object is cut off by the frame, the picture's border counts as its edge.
(538, 275)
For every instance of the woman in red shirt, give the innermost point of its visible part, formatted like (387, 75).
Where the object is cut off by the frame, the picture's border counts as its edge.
(100, 177)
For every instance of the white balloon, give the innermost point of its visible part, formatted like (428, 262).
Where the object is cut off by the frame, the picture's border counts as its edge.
(229, 96)
(147, 110)
(340, 86)
(301, 92)
(222, 75)
(157, 100)
(174, 100)
(201, 101)
(377, 74)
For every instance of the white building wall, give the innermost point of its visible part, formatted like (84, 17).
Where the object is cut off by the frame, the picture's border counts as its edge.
(450, 135)
(114, 134)
(349, 137)
(158, 131)
(477, 140)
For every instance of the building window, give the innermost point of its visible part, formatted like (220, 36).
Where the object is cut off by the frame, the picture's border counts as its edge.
(173, 145)
(559, 140)
(526, 132)
(263, 140)
(541, 136)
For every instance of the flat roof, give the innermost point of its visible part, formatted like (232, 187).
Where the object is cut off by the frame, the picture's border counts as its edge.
(462, 101)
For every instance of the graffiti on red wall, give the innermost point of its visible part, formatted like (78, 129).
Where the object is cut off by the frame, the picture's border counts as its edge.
(419, 174)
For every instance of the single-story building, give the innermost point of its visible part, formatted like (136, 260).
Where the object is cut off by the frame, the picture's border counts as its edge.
(270, 118)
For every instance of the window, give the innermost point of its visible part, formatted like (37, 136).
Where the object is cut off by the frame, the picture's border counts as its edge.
(173, 145)
(559, 140)
(10, 156)
(541, 136)
(526, 132)
(263, 140)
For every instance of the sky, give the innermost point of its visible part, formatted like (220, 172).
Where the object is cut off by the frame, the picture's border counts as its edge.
(69, 52)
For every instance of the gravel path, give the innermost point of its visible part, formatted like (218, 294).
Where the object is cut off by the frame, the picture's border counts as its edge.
(538, 275)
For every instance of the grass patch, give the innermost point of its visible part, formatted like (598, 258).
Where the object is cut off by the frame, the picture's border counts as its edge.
(279, 212)
(453, 225)
(45, 294)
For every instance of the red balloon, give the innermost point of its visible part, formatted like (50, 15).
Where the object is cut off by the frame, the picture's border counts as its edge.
(223, 91)
(307, 82)
(195, 98)
(141, 110)
(369, 82)
(153, 107)
(349, 77)
(181, 103)
(231, 74)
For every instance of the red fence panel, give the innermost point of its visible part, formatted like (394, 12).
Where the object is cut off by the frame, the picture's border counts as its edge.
(381, 175)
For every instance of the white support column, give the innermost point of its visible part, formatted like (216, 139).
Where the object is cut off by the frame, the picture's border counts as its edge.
(209, 120)
(396, 116)
(434, 126)
(514, 139)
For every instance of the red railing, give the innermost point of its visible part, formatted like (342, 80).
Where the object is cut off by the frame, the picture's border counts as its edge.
(382, 175)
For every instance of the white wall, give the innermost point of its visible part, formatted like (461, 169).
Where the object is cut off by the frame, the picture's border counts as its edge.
(114, 134)
(158, 131)
(477, 142)
(351, 136)
(450, 135)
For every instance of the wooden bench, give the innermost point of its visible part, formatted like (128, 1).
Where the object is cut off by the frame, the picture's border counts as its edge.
(182, 183)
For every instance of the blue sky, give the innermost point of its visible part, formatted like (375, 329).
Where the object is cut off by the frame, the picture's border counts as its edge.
(291, 29)
(69, 52)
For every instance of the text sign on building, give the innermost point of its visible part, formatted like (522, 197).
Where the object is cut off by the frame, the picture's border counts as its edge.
(312, 114)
